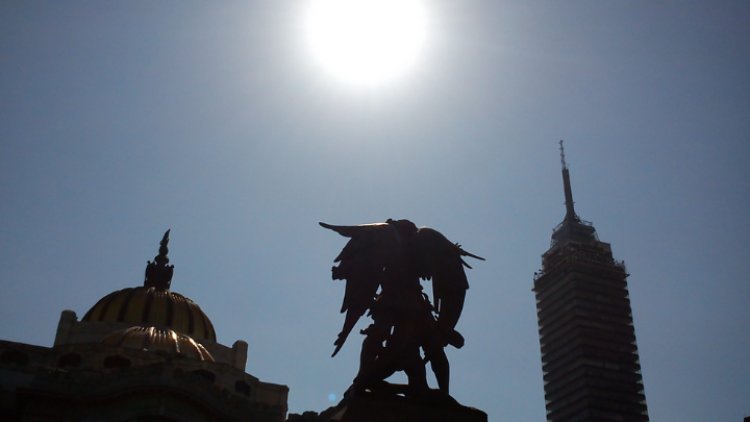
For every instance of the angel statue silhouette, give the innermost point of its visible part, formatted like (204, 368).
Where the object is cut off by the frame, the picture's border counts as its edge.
(383, 265)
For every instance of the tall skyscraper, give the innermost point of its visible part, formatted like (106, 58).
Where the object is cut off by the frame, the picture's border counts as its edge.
(589, 353)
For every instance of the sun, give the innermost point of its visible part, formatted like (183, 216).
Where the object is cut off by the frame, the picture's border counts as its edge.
(366, 42)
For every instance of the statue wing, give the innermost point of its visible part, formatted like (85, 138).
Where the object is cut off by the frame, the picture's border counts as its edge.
(442, 261)
(371, 249)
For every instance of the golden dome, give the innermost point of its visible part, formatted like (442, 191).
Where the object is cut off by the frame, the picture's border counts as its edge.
(150, 306)
(154, 339)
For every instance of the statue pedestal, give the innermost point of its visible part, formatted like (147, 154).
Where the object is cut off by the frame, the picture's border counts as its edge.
(368, 407)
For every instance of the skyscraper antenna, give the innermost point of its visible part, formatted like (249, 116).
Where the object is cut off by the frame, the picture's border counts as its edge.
(562, 155)
(570, 213)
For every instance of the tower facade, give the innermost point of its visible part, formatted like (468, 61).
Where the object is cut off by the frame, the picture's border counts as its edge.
(589, 353)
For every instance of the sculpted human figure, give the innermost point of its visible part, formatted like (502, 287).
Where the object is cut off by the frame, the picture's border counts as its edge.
(383, 265)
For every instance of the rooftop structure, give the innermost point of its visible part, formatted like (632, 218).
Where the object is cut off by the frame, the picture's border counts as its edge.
(589, 354)
(140, 353)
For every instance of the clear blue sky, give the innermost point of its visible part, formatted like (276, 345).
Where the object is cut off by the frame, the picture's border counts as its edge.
(119, 120)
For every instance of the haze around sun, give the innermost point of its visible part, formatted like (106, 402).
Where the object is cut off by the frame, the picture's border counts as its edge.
(366, 42)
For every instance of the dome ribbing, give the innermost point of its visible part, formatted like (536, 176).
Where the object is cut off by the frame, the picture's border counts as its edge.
(158, 340)
(150, 306)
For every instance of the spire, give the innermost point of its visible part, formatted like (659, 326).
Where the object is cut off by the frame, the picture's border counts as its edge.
(572, 227)
(570, 213)
(158, 273)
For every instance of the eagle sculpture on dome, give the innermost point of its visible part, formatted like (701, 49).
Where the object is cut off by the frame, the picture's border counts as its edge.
(383, 265)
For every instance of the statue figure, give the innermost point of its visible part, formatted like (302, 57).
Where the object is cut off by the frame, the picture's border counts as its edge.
(383, 265)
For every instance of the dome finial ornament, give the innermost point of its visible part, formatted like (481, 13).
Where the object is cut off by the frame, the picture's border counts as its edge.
(158, 272)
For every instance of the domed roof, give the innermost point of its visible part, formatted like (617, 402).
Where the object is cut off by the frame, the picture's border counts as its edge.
(154, 304)
(156, 339)
(150, 306)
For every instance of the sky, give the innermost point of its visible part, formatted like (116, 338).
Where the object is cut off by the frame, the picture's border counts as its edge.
(119, 120)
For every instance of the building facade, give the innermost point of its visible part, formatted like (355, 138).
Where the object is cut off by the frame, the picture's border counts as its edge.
(590, 358)
(140, 353)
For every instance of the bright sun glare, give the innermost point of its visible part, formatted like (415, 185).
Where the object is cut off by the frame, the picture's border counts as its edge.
(366, 42)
